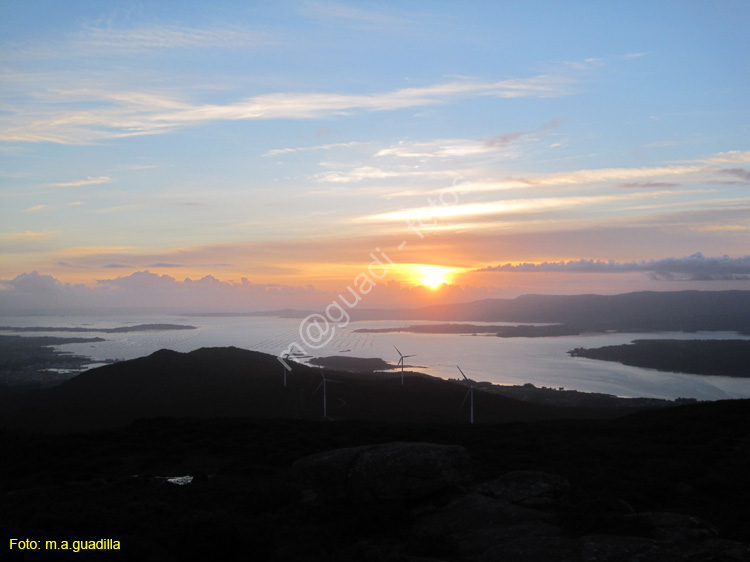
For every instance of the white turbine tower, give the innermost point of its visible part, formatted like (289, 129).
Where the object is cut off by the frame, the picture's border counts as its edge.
(284, 366)
(325, 394)
(469, 394)
(401, 362)
(323, 383)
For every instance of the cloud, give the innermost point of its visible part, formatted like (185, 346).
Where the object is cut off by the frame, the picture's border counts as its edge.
(118, 114)
(507, 138)
(650, 184)
(439, 148)
(737, 172)
(730, 157)
(27, 236)
(35, 208)
(88, 181)
(170, 37)
(21, 242)
(695, 267)
(371, 172)
(116, 266)
(33, 282)
(583, 178)
(166, 264)
(279, 151)
(430, 215)
(503, 140)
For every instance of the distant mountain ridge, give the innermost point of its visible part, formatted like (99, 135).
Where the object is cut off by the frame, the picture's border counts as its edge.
(645, 307)
(639, 311)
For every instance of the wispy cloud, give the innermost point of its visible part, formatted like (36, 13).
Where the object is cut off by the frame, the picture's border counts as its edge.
(584, 177)
(116, 114)
(507, 138)
(88, 181)
(36, 208)
(25, 242)
(439, 148)
(730, 157)
(459, 148)
(428, 214)
(28, 236)
(650, 185)
(171, 37)
(280, 151)
(360, 173)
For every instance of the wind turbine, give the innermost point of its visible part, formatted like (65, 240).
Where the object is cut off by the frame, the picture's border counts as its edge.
(401, 362)
(284, 366)
(325, 392)
(469, 394)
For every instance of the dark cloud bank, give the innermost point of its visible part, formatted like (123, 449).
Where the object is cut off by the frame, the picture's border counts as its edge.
(695, 268)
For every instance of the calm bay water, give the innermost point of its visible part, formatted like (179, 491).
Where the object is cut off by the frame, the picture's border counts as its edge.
(540, 361)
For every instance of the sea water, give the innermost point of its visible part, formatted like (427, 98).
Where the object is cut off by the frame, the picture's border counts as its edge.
(539, 361)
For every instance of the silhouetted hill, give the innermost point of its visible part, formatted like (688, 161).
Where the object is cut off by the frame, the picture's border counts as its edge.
(214, 382)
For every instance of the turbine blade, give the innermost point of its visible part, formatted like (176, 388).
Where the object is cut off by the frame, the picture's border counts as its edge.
(401, 354)
(465, 377)
(464, 401)
(317, 389)
(405, 356)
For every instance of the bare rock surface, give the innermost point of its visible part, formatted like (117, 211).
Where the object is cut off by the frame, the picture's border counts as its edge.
(516, 517)
(394, 471)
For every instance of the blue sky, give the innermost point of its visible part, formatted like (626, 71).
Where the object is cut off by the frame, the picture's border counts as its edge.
(282, 142)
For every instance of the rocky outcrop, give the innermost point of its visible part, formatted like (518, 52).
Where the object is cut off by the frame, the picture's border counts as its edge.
(518, 517)
(526, 487)
(394, 471)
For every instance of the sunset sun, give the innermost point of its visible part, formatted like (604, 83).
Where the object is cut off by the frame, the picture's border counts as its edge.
(434, 276)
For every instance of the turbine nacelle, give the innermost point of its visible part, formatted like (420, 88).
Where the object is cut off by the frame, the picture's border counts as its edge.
(401, 362)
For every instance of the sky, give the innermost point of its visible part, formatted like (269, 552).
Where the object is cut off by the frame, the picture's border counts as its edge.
(237, 155)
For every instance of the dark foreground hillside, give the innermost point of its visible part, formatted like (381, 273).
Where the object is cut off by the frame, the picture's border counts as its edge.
(231, 382)
(397, 472)
(661, 485)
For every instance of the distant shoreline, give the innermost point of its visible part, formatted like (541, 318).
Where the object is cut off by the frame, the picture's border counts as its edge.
(120, 330)
(519, 331)
(33, 362)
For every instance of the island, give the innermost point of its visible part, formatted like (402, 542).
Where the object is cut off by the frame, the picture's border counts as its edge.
(727, 358)
(352, 364)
